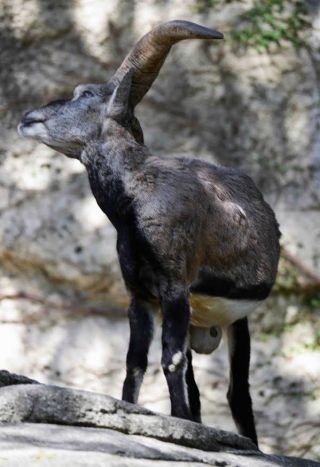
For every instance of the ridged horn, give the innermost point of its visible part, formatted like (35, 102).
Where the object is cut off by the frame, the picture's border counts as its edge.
(148, 55)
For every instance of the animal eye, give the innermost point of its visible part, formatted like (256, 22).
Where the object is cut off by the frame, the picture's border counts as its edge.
(87, 94)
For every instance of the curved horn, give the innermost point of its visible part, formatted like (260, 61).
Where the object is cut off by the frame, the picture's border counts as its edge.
(148, 55)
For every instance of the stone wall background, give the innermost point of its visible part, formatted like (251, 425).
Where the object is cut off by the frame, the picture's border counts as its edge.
(61, 297)
(257, 110)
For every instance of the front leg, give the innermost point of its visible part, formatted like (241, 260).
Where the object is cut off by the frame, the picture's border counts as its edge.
(141, 333)
(176, 316)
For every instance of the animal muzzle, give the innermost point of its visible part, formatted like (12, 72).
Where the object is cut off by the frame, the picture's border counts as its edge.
(29, 119)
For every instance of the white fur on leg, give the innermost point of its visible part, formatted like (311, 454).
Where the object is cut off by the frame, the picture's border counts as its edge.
(176, 359)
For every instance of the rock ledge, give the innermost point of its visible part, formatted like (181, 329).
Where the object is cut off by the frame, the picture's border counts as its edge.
(53, 424)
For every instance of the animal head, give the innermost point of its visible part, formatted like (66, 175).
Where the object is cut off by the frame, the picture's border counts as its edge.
(69, 125)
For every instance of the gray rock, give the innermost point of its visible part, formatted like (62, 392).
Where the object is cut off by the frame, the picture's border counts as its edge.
(9, 379)
(54, 424)
(59, 446)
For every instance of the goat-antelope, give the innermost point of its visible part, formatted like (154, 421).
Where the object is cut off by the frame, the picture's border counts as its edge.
(196, 239)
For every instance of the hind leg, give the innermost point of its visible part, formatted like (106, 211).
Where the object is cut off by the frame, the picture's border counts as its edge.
(193, 391)
(238, 392)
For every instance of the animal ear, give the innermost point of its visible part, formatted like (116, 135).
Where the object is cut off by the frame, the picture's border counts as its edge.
(118, 104)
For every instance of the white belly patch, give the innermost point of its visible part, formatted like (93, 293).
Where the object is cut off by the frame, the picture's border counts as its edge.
(218, 311)
(211, 314)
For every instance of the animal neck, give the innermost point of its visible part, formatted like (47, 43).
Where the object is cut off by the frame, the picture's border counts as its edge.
(113, 168)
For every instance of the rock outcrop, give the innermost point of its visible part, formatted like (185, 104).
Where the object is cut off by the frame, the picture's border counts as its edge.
(54, 425)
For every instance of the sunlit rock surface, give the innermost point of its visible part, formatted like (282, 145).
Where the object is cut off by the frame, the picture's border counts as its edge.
(66, 423)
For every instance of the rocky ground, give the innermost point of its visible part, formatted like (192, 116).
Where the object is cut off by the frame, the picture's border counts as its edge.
(82, 428)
